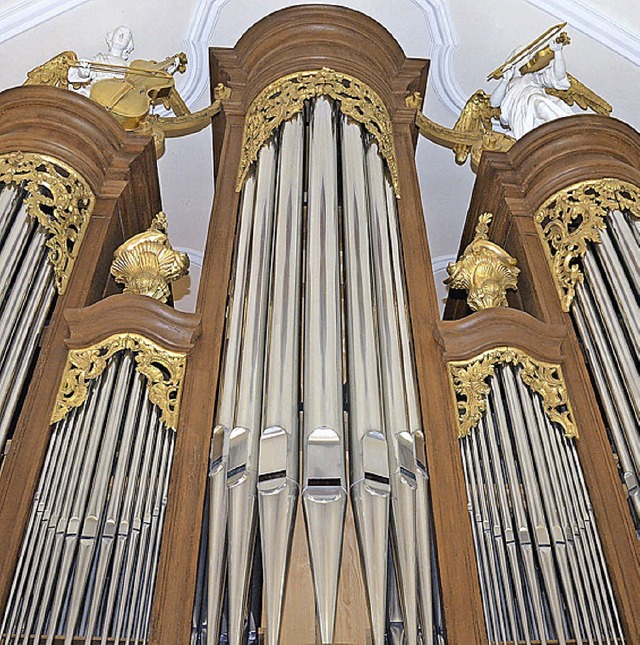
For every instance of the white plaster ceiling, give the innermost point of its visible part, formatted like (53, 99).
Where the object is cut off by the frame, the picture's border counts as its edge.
(465, 40)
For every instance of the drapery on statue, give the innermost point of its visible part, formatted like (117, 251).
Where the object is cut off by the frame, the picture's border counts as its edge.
(533, 88)
(130, 91)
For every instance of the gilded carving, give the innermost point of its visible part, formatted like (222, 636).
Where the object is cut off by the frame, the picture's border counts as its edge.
(284, 98)
(59, 198)
(147, 264)
(572, 218)
(485, 270)
(164, 370)
(470, 385)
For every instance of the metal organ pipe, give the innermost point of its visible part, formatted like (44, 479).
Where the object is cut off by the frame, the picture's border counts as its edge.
(606, 311)
(542, 572)
(26, 294)
(105, 462)
(317, 335)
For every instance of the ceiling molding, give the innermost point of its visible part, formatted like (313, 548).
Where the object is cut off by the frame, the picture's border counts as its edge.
(438, 21)
(21, 16)
(441, 262)
(594, 24)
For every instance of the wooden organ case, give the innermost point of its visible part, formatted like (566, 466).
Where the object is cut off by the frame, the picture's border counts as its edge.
(315, 456)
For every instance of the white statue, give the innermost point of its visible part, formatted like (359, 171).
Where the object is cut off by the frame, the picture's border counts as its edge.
(523, 102)
(120, 42)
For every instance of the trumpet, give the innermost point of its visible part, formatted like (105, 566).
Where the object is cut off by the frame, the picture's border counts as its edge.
(537, 54)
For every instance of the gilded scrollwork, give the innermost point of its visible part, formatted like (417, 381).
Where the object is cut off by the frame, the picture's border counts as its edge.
(59, 198)
(163, 369)
(573, 218)
(485, 270)
(146, 264)
(470, 385)
(284, 98)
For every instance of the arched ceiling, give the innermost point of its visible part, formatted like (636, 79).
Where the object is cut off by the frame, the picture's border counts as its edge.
(464, 41)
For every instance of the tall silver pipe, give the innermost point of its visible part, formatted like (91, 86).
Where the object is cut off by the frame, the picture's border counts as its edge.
(323, 462)
(279, 442)
(107, 535)
(609, 322)
(496, 532)
(99, 487)
(624, 296)
(154, 551)
(19, 356)
(19, 234)
(11, 200)
(152, 454)
(622, 232)
(508, 522)
(244, 439)
(616, 379)
(537, 502)
(127, 517)
(368, 459)
(521, 523)
(225, 416)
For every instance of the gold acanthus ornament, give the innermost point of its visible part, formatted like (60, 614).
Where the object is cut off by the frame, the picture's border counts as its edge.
(485, 270)
(146, 264)
(60, 200)
(284, 98)
(469, 380)
(572, 218)
(163, 369)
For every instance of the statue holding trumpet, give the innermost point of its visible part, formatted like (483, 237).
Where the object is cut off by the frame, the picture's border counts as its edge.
(533, 88)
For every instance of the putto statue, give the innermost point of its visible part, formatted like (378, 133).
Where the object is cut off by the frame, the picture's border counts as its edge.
(120, 44)
(533, 88)
(130, 90)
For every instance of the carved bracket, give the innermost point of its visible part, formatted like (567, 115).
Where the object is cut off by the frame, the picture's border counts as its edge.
(164, 370)
(572, 218)
(59, 198)
(284, 98)
(485, 270)
(470, 387)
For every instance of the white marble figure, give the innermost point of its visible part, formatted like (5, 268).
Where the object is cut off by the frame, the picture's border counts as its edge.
(523, 102)
(120, 43)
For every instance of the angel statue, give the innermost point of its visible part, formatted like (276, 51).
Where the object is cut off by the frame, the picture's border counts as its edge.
(522, 97)
(130, 90)
(533, 88)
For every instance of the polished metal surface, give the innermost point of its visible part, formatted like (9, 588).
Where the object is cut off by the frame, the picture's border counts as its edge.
(369, 463)
(278, 465)
(324, 481)
(527, 498)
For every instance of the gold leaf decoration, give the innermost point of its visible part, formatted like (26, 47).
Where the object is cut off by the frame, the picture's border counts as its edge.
(59, 198)
(163, 369)
(55, 72)
(147, 264)
(284, 98)
(572, 218)
(469, 380)
(485, 270)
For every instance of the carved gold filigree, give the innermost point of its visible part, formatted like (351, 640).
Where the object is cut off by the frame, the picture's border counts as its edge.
(147, 264)
(164, 370)
(284, 98)
(572, 218)
(469, 380)
(59, 198)
(472, 133)
(485, 270)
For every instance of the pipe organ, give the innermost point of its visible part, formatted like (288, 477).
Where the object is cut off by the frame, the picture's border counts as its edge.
(314, 456)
